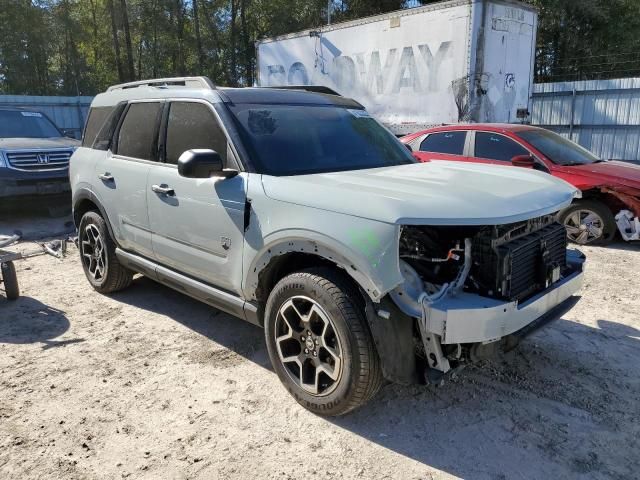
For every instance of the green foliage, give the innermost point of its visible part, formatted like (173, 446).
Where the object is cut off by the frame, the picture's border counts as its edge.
(72, 47)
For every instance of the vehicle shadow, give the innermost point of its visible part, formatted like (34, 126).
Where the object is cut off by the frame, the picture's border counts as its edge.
(241, 337)
(622, 245)
(27, 320)
(522, 416)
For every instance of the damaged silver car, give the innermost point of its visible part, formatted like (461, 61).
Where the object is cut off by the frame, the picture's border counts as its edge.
(297, 211)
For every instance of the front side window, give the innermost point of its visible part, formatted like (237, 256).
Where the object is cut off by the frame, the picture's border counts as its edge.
(296, 140)
(137, 137)
(24, 124)
(493, 146)
(193, 125)
(558, 149)
(451, 143)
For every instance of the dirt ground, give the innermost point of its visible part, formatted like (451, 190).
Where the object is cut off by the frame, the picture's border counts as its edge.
(150, 384)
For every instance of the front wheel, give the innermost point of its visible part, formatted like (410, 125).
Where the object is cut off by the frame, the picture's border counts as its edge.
(98, 255)
(588, 222)
(319, 343)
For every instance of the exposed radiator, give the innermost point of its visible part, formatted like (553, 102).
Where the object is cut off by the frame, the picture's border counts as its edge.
(514, 267)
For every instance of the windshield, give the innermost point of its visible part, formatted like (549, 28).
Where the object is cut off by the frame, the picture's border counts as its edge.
(22, 124)
(297, 140)
(558, 149)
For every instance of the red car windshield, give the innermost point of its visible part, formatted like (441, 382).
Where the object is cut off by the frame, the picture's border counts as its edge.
(557, 148)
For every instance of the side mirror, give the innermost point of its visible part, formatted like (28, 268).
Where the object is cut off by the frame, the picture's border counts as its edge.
(202, 163)
(524, 161)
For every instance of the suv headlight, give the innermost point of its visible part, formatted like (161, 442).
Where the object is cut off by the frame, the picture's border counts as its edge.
(3, 161)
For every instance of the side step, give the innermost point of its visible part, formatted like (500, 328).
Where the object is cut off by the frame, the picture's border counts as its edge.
(219, 299)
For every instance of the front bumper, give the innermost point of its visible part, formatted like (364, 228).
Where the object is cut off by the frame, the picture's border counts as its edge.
(470, 318)
(17, 183)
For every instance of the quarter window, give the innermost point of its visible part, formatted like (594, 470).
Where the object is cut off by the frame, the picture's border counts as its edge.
(137, 136)
(497, 147)
(193, 125)
(97, 118)
(451, 143)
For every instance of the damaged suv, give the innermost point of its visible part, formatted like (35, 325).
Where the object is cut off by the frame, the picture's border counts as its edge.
(297, 211)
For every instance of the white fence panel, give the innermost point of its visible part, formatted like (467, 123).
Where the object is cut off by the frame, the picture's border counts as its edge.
(601, 115)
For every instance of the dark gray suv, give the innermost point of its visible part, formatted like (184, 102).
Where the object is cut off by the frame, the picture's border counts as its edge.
(34, 155)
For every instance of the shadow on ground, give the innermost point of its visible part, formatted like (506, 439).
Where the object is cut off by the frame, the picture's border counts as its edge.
(27, 320)
(533, 415)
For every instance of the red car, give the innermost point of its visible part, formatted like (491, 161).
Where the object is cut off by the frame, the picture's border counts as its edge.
(610, 189)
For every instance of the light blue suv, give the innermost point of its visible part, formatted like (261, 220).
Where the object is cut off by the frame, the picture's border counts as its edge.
(295, 210)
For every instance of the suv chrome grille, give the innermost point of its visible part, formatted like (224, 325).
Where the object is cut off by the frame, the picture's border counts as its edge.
(34, 160)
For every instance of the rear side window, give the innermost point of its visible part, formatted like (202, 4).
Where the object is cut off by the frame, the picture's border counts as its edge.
(137, 137)
(451, 143)
(497, 147)
(193, 125)
(97, 118)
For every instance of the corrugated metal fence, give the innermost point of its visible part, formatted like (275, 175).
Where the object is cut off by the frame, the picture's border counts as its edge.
(68, 113)
(601, 115)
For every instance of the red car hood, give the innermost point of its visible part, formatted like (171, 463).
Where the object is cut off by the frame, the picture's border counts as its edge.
(610, 174)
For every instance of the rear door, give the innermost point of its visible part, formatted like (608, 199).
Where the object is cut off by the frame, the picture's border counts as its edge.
(449, 145)
(491, 147)
(198, 227)
(121, 176)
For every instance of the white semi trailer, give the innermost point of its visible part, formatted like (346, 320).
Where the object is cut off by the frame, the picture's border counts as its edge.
(453, 61)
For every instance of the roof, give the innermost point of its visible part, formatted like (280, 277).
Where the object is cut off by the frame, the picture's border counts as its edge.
(491, 127)
(396, 13)
(203, 88)
(284, 96)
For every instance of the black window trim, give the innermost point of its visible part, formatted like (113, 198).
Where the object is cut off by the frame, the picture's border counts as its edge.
(232, 152)
(123, 115)
(464, 145)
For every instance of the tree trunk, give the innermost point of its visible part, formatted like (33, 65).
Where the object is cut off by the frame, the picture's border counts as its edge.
(196, 21)
(233, 79)
(247, 51)
(116, 42)
(127, 39)
(180, 67)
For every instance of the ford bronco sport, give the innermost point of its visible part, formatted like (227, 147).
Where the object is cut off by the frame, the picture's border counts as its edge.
(297, 211)
(34, 156)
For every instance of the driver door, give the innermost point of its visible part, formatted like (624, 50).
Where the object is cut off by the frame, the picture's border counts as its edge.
(197, 225)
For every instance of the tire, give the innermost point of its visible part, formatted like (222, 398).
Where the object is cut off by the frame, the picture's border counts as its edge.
(98, 255)
(574, 216)
(340, 346)
(10, 281)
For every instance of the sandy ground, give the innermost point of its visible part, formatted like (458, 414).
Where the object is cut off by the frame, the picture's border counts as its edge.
(150, 384)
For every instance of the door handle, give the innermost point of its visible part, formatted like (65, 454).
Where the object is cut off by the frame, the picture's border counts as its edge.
(106, 177)
(163, 189)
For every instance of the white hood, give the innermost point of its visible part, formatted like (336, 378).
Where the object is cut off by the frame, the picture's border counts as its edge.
(432, 193)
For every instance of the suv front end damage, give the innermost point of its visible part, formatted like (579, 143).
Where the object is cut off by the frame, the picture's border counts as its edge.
(482, 288)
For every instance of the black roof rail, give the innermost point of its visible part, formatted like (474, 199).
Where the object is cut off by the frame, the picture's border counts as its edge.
(187, 82)
(308, 88)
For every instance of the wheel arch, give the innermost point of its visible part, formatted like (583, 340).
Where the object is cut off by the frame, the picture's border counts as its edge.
(84, 201)
(284, 256)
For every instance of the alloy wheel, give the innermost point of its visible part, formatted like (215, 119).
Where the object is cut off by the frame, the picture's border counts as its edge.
(584, 226)
(308, 345)
(94, 254)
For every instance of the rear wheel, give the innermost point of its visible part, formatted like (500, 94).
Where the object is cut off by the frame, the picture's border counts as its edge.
(98, 255)
(10, 280)
(588, 222)
(319, 343)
